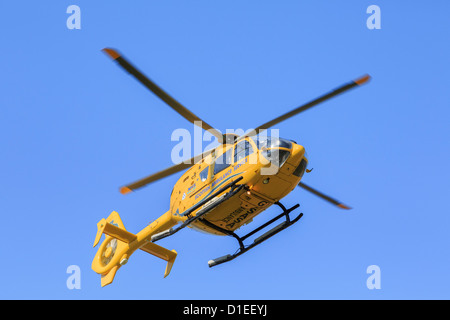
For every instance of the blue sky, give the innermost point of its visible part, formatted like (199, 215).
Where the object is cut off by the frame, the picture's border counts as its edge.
(75, 127)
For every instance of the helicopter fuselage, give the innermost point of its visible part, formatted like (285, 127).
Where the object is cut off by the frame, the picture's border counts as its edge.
(266, 182)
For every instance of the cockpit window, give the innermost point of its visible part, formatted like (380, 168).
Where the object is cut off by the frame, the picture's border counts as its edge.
(271, 148)
(223, 161)
(204, 174)
(271, 142)
(242, 150)
(277, 156)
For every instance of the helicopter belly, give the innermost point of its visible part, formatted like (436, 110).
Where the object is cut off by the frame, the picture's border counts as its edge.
(274, 187)
(240, 209)
(233, 213)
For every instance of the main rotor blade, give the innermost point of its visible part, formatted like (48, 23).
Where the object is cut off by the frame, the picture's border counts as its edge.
(312, 103)
(174, 104)
(323, 196)
(164, 173)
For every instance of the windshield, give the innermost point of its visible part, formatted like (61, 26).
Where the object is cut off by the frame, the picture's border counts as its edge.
(270, 148)
(271, 142)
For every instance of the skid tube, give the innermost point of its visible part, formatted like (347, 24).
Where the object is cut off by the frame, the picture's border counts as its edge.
(234, 188)
(242, 248)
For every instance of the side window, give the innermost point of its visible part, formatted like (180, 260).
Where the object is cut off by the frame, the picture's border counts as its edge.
(204, 174)
(242, 150)
(223, 161)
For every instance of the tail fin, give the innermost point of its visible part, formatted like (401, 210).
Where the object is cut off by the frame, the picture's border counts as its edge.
(113, 226)
(119, 245)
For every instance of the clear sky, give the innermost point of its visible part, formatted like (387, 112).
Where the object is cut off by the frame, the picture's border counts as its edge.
(74, 127)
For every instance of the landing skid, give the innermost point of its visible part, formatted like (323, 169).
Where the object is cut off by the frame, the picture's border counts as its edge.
(242, 248)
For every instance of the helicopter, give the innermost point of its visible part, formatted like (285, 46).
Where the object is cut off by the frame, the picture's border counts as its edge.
(221, 190)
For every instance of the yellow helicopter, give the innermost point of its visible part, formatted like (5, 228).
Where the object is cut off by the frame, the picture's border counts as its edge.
(223, 189)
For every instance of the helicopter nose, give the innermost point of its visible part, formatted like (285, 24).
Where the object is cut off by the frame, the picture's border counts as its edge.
(298, 152)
